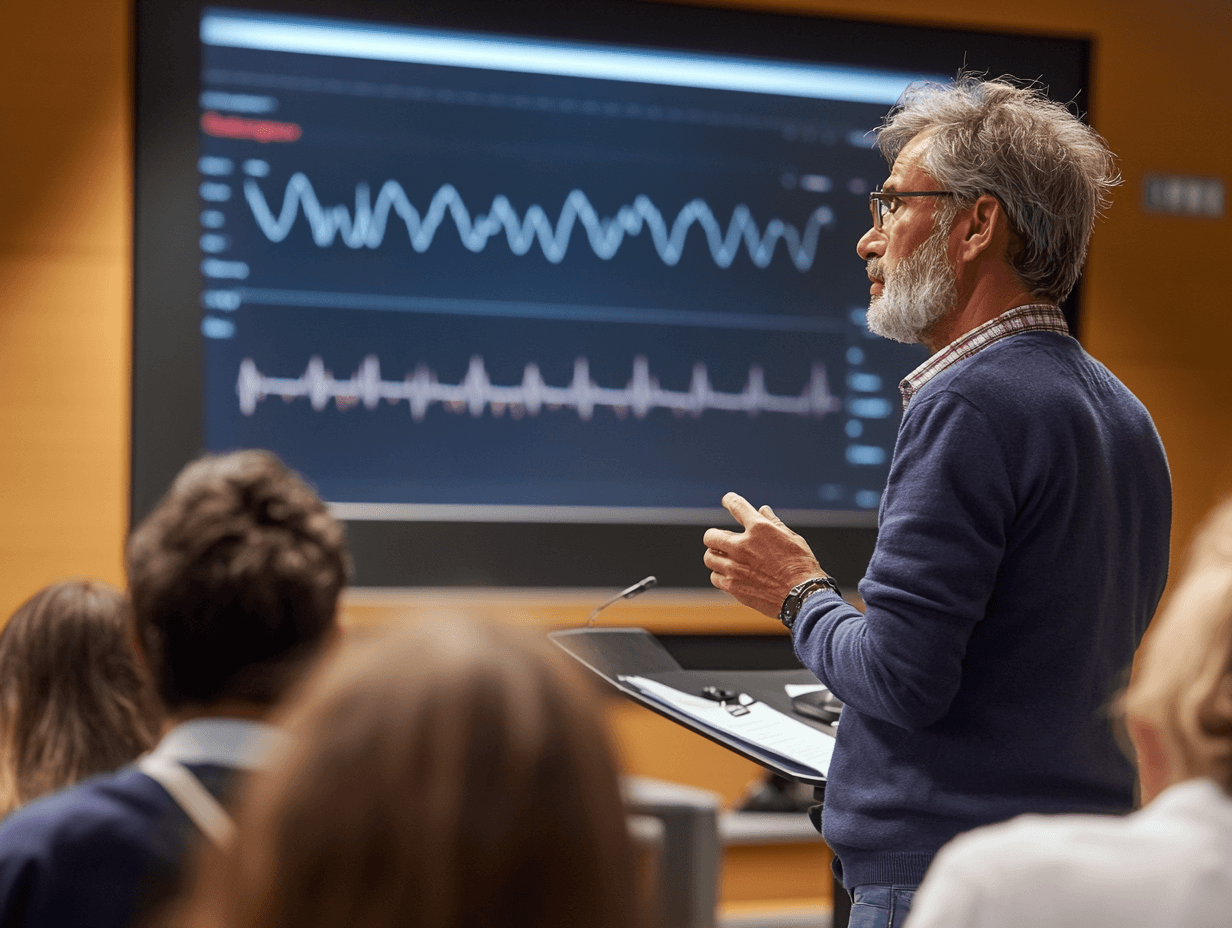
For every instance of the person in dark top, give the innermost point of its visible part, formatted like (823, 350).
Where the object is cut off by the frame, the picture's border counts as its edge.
(234, 579)
(1023, 533)
(75, 699)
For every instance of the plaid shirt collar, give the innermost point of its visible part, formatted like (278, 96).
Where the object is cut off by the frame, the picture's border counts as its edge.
(1036, 317)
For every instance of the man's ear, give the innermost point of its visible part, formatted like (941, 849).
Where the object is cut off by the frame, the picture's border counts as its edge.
(982, 229)
(1154, 764)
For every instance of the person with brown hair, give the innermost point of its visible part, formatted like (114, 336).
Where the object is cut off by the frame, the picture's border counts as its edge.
(1168, 865)
(234, 580)
(444, 775)
(74, 697)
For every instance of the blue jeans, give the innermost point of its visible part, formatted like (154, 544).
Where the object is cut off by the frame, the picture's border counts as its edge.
(880, 905)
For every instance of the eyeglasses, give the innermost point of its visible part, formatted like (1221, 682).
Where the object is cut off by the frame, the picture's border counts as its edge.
(882, 203)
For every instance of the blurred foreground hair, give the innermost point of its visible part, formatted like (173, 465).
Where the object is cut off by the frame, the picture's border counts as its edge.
(74, 697)
(445, 775)
(1184, 680)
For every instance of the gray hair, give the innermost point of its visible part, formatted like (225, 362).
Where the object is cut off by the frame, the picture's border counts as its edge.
(1051, 173)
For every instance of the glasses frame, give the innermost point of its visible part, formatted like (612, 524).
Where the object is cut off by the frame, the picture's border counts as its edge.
(879, 202)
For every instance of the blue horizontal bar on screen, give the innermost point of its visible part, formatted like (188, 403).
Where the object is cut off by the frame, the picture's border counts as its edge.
(346, 39)
(562, 312)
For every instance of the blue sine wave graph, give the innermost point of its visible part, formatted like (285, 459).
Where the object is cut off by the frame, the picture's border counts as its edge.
(476, 393)
(365, 226)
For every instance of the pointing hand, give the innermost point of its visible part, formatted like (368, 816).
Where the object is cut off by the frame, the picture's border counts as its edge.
(759, 565)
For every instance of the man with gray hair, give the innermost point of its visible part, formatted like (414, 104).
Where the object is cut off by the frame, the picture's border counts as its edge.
(1023, 532)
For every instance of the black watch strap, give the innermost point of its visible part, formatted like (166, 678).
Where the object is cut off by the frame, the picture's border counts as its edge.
(799, 593)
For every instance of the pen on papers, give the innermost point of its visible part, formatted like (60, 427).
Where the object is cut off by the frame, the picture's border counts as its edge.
(739, 701)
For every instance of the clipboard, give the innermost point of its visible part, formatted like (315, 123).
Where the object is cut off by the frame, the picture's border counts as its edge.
(626, 656)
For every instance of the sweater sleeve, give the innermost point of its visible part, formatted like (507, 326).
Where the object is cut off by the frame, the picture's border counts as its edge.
(944, 521)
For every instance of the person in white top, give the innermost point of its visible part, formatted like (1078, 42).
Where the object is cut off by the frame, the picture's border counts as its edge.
(1168, 865)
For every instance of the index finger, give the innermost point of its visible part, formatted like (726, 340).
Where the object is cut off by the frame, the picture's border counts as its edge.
(741, 509)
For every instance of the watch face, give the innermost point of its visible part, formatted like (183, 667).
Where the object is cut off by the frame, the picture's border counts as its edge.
(788, 615)
(801, 592)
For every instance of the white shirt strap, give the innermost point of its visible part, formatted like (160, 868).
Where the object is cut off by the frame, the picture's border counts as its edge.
(198, 804)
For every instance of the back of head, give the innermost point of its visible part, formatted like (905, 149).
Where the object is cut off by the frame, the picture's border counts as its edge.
(1051, 173)
(1184, 681)
(446, 776)
(74, 698)
(234, 579)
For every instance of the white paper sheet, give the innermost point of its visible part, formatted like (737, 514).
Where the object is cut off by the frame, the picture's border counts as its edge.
(799, 689)
(763, 730)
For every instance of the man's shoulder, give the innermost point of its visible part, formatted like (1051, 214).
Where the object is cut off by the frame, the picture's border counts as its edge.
(85, 856)
(1192, 818)
(1027, 373)
(1036, 870)
(1018, 358)
(111, 806)
(1041, 840)
(1099, 856)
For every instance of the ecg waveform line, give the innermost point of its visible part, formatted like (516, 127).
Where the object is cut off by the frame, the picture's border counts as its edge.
(365, 227)
(476, 393)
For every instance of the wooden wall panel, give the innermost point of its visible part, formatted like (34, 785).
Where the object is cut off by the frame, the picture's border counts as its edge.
(64, 292)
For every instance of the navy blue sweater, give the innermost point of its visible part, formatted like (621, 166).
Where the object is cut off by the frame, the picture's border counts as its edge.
(1022, 549)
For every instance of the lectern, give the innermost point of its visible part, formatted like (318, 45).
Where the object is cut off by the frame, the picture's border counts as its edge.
(756, 720)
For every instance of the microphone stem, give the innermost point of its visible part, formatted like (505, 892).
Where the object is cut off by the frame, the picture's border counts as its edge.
(640, 587)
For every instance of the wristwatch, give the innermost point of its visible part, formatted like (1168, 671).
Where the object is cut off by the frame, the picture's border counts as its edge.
(799, 593)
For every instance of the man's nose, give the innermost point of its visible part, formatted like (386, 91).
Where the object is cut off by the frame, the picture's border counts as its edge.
(870, 245)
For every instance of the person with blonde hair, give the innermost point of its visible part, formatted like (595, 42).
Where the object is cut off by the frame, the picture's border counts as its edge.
(1168, 865)
(444, 775)
(75, 699)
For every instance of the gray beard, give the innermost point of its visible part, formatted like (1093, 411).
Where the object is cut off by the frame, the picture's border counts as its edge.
(921, 290)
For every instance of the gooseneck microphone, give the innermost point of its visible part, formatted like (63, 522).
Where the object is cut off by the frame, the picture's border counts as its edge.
(640, 587)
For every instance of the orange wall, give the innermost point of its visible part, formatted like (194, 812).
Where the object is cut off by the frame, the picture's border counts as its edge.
(64, 292)
(1152, 313)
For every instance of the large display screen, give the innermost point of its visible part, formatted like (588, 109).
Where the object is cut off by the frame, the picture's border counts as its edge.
(586, 270)
(450, 274)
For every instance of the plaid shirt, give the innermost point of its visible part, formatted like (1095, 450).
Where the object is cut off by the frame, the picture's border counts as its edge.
(1036, 317)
